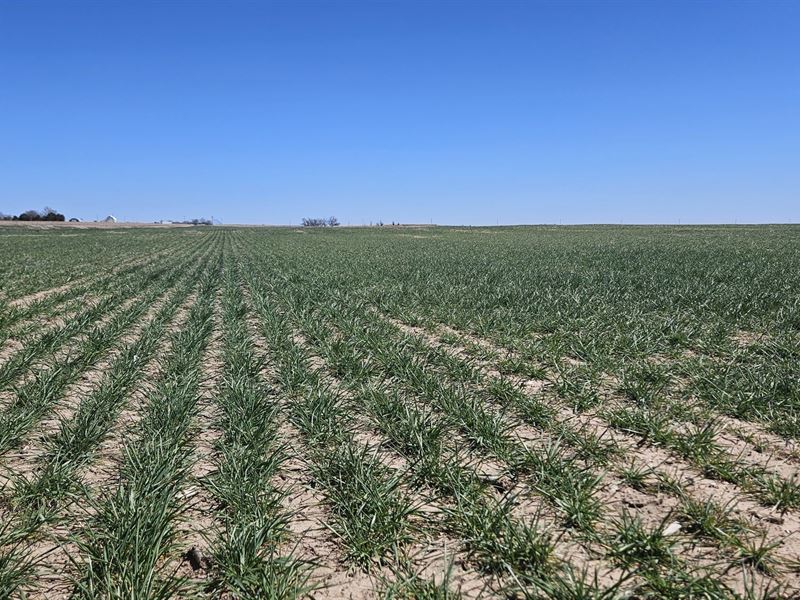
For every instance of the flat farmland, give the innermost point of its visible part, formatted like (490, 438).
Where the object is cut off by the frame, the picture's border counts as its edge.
(532, 412)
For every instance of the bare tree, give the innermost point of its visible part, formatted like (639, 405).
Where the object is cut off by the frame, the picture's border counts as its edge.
(329, 222)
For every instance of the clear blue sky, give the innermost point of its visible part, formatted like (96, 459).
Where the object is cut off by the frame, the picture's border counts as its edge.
(455, 112)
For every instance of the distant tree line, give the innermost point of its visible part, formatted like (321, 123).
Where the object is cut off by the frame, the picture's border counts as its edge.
(196, 222)
(329, 222)
(48, 214)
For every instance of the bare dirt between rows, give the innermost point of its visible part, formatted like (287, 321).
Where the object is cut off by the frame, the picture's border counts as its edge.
(781, 528)
(199, 519)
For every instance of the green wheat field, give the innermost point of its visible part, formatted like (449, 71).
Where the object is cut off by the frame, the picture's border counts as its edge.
(571, 413)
